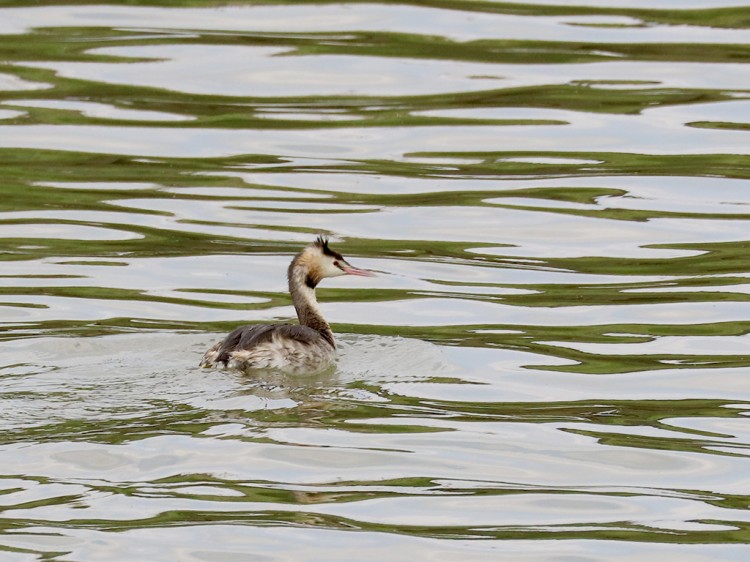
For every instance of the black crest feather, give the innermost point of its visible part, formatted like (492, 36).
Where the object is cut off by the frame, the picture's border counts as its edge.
(322, 243)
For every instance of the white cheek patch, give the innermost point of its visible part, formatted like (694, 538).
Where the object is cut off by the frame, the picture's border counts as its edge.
(330, 270)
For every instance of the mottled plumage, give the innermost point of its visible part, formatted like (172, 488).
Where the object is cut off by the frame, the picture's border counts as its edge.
(306, 347)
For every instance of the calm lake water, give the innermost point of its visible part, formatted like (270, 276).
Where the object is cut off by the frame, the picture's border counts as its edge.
(552, 364)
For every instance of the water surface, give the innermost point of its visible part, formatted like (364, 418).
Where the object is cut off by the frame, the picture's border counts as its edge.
(550, 366)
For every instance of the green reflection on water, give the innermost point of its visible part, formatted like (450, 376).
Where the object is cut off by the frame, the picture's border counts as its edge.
(92, 183)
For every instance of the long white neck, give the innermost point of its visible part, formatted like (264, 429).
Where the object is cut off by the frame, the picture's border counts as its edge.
(302, 289)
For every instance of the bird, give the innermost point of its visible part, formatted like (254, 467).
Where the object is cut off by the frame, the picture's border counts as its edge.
(305, 348)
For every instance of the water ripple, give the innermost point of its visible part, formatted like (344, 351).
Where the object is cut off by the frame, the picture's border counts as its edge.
(550, 364)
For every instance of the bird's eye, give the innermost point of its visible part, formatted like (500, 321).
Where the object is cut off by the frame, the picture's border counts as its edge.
(336, 263)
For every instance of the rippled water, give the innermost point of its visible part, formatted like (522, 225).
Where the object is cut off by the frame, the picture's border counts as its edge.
(552, 364)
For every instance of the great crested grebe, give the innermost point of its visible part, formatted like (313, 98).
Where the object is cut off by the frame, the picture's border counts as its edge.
(307, 347)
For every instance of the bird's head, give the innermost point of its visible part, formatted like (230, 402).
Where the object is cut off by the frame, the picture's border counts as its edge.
(321, 261)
